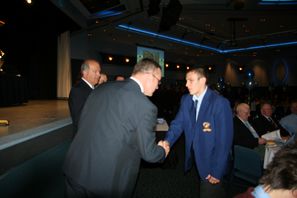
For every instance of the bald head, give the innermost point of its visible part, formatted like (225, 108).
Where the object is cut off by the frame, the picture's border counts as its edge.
(90, 71)
(243, 111)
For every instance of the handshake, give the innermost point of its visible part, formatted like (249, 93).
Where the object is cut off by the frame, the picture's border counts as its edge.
(165, 146)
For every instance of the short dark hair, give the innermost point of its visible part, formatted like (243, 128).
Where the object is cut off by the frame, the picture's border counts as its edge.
(281, 173)
(145, 65)
(200, 71)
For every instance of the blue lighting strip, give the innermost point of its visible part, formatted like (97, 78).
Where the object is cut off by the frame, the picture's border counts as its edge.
(106, 13)
(169, 38)
(278, 2)
(260, 47)
(201, 46)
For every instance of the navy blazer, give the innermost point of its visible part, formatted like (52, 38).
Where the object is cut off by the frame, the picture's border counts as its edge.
(211, 144)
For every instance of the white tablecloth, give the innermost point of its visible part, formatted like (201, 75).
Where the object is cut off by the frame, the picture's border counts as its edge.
(162, 126)
(269, 154)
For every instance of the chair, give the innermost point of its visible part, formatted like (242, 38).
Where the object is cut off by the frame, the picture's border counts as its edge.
(247, 164)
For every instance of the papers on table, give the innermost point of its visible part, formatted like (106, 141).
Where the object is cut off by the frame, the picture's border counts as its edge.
(274, 136)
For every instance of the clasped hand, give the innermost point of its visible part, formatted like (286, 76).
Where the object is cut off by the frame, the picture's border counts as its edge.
(212, 179)
(165, 146)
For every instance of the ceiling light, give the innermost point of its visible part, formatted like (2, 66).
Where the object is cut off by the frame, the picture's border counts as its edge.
(2, 23)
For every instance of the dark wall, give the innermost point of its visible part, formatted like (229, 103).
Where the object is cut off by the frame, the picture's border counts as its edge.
(29, 40)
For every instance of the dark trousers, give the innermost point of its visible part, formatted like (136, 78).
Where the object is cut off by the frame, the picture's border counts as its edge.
(208, 190)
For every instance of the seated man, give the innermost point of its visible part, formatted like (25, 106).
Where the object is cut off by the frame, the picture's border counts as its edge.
(264, 123)
(244, 134)
(289, 122)
(280, 178)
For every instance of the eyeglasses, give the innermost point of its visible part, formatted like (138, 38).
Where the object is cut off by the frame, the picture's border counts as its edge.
(159, 80)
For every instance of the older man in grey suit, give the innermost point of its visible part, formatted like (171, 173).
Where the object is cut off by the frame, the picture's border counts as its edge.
(115, 131)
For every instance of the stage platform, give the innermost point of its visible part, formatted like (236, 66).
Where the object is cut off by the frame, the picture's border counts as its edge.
(33, 127)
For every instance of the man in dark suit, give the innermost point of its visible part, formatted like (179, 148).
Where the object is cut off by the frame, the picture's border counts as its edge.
(115, 131)
(244, 133)
(90, 73)
(265, 123)
(208, 129)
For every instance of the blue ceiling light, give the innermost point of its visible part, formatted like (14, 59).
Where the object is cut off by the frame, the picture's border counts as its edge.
(169, 38)
(278, 2)
(201, 46)
(117, 9)
(260, 47)
(106, 13)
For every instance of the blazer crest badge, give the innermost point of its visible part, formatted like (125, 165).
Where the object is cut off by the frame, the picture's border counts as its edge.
(206, 127)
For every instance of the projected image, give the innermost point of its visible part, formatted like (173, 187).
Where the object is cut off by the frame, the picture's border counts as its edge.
(155, 54)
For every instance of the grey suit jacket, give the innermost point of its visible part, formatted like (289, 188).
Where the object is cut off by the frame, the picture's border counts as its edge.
(115, 131)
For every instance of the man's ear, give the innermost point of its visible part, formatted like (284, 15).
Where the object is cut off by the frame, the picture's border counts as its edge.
(203, 79)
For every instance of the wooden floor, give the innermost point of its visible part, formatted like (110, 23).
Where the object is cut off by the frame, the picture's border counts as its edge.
(32, 119)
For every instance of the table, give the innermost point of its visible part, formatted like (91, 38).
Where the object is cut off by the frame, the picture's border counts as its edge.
(161, 126)
(269, 153)
(171, 161)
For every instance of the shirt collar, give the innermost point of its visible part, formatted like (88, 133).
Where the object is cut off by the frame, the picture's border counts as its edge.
(138, 82)
(241, 119)
(88, 83)
(259, 192)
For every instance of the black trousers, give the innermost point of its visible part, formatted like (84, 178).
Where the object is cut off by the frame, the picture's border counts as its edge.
(208, 190)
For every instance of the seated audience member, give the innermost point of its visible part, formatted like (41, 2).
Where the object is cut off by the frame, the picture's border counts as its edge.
(103, 78)
(90, 73)
(280, 177)
(119, 78)
(244, 134)
(289, 122)
(264, 123)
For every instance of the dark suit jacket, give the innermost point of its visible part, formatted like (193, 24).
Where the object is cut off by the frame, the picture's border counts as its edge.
(115, 131)
(262, 126)
(242, 135)
(77, 98)
(212, 147)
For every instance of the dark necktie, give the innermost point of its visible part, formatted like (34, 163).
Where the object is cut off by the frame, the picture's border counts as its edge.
(195, 108)
(195, 104)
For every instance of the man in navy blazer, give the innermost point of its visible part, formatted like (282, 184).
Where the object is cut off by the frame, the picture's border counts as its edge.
(90, 73)
(115, 131)
(208, 130)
